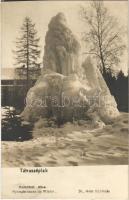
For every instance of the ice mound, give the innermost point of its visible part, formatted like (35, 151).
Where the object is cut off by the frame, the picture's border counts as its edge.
(67, 90)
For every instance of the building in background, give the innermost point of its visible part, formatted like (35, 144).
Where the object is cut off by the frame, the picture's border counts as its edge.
(14, 84)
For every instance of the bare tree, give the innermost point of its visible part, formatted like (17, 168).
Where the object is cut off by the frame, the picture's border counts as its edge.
(27, 49)
(103, 36)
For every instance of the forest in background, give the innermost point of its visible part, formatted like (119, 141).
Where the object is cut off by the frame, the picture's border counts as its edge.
(118, 87)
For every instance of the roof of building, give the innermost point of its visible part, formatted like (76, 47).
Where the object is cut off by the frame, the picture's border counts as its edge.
(7, 73)
(10, 74)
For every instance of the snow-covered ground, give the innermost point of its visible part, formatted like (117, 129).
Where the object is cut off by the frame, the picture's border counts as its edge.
(71, 145)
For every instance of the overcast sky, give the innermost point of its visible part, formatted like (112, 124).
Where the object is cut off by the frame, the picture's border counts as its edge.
(41, 12)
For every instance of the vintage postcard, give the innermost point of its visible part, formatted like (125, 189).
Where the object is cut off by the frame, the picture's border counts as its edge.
(64, 100)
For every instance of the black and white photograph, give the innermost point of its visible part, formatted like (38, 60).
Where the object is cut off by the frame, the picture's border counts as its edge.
(64, 83)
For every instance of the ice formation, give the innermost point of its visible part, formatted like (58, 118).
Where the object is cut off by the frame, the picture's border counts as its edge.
(67, 89)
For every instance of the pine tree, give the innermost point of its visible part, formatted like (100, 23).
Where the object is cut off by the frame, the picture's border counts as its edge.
(27, 48)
